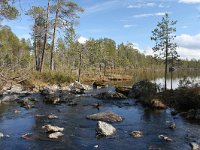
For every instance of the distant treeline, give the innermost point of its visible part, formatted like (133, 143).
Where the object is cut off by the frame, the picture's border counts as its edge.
(97, 55)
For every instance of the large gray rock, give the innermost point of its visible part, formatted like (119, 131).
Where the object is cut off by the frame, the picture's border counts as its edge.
(9, 98)
(78, 88)
(194, 146)
(106, 117)
(105, 129)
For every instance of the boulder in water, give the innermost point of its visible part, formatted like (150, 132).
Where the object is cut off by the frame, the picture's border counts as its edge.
(50, 128)
(110, 95)
(194, 146)
(105, 129)
(106, 117)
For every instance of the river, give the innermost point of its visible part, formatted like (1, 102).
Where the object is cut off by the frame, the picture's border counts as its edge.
(79, 133)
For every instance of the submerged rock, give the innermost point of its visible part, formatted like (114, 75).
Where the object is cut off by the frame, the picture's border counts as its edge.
(163, 137)
(50, 128)
(104, 129)
(72, 104)
(123, 90)
(153, 147)
(55, 135)
(27, 102)
(194, 146)
(156, 103)
(136, 134)
(172, 125)
(52, 116)
(109, 95)
(97, 84)
(106, 117)
(51, 99)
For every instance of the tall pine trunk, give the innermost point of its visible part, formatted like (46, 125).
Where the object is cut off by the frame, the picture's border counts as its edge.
(166, 61)
(54, 38)
(45, 37)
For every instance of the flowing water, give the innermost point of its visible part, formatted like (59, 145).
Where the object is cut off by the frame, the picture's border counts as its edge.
(79, 133)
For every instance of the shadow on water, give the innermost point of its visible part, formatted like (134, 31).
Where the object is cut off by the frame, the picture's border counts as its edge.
(80, 134)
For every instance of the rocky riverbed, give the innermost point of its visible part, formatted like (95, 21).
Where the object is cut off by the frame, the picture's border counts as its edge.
(33, 121)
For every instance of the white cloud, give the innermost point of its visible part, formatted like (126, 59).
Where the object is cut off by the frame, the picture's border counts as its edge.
(134, 6)
(82, 40)
(150, 4)
(189, 1)
(189, 46)
(188, 41)
(140, 5)
(129, 25)
(101, 6)
(149, 15)
(188, 53)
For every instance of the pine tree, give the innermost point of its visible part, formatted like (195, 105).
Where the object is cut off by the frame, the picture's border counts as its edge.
(164, 37)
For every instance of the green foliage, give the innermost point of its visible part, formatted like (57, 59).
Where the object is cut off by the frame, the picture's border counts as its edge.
(12, 50)
(7, 10)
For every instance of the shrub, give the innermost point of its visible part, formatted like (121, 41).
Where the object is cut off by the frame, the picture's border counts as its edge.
(53, 77)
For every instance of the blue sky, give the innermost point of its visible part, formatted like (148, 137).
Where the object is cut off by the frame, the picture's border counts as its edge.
(128, 20)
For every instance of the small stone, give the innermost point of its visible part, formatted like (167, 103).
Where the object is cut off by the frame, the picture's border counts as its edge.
(50, 128)
(55, 135)
(72, 104)
(17, 111)
(136, 134)
(172, 125)
(1, 135)
(52, 116)
(194, 146)
(105, 129)
(163, 137)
